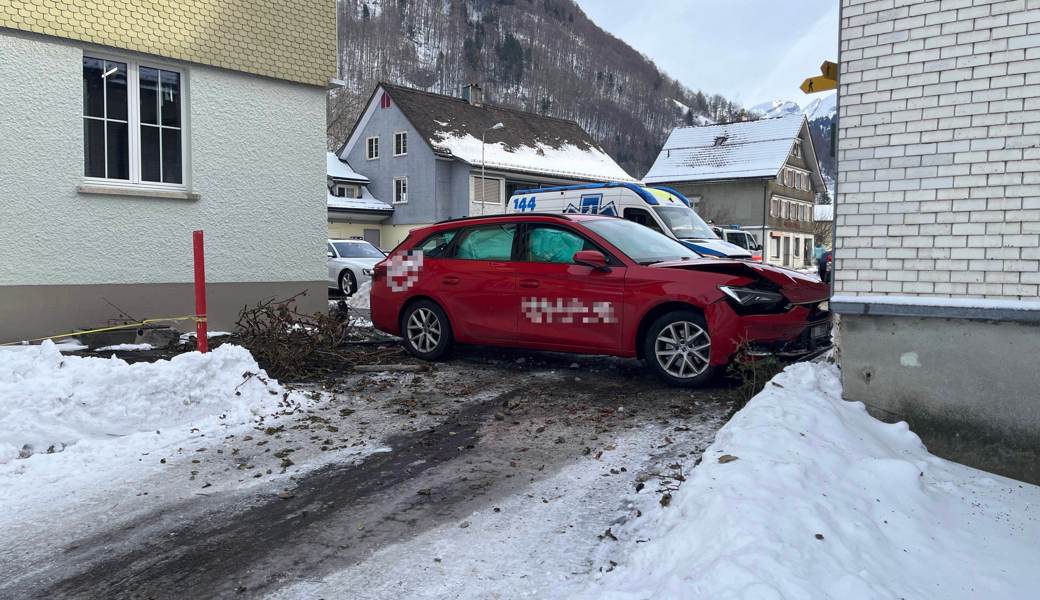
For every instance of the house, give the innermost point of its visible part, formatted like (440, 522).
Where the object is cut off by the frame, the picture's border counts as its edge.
(761, 175)
(128, 125)
(937, 225)
(353, 211)
(423, 152)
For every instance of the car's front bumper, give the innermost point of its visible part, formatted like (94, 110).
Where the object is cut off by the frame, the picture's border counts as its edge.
(795, 333)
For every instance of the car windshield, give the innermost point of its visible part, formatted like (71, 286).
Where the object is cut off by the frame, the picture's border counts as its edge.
(642, 244)
(739, 239)
(685, 223)
(357, 250)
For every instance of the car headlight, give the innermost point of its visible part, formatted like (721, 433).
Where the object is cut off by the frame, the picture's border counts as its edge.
(748, 297)
(367, 272)
(824, 305)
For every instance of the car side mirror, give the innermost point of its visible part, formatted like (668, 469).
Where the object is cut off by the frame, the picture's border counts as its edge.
(591, 258)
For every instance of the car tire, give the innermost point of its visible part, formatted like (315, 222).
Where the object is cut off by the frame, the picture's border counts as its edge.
(681, 336)
(425, 330)
(347, 283)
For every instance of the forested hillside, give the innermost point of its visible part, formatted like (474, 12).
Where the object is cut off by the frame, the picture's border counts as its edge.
(544, 56)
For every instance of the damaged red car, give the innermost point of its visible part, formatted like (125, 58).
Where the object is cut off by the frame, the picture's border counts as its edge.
(592, 285)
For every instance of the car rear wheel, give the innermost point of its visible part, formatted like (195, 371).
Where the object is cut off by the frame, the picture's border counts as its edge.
(347, 283)
(678, 348)
(426, 331)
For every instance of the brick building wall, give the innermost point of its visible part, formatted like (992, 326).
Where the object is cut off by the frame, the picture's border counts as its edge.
(939, 149)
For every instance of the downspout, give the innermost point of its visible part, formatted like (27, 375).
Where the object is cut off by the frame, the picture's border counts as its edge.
(765, 211)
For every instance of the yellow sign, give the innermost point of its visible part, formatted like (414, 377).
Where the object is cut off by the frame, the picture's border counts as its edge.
(827, 81)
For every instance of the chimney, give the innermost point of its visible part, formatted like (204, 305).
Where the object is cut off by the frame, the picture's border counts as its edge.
(474, 94)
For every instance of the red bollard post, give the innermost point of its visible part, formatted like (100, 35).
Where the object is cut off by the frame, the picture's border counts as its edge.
(200, 293)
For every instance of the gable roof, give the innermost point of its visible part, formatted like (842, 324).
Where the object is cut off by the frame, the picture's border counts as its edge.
(744, 150)
(528, 142)
(339, 169)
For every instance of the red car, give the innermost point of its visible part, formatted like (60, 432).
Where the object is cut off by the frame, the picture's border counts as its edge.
(592, 285)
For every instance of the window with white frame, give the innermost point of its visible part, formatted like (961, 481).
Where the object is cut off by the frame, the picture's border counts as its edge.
(400, 190)
(400, 143)
(133, 123)
(372, 148)
(776, 247)
(774, 208)
(797, 149)
(347, 190)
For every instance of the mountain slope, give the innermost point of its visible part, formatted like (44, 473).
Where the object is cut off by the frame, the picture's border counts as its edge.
(544, 56)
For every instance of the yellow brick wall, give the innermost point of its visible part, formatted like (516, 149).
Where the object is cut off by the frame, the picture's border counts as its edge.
(293, 40)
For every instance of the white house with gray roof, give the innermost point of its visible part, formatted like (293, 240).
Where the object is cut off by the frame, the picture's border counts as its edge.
(352, 210)
(761, 175)
(422, 153)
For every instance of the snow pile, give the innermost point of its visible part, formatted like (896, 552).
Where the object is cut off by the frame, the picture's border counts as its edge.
(50, 400)
(804, 495)
(568, 159)
(362, 298)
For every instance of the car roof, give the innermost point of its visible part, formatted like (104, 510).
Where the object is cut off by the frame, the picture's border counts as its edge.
(356, 241)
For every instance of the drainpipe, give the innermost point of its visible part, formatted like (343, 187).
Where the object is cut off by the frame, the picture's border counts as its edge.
(765, 220)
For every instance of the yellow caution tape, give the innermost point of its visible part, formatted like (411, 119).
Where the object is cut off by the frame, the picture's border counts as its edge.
(195, 318)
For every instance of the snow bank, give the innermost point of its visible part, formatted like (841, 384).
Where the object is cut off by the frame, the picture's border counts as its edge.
(823, 501)
(362, 298)
(47, 399)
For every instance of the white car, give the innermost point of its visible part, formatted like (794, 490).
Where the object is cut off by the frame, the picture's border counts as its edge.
(350, 264)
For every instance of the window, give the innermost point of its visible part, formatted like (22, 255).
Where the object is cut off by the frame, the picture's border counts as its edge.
(776, 247)
(372, 148)
(329, 251)
(494, 242)
(554, 245)
(640, 243)
(400, 190)
(638, 215)
(400, 143)
(797, 247)
(358, 249)
(346, 190)
(438, 244)
(797, 149)
(486, 190)
(774, 207)
(133, 122)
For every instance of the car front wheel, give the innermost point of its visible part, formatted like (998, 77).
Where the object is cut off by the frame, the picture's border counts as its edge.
(678, 348)
(426, 331)
(347, 283)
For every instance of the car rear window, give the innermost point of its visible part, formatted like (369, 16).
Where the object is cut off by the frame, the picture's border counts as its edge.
(490, 242)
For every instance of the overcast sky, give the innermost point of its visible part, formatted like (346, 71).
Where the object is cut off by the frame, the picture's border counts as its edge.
(750, 51)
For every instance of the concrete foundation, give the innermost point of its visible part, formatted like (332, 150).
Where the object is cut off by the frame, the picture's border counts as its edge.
(32, 311)
(969, 388)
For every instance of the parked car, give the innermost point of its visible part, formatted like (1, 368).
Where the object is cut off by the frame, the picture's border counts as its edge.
(592, 285)
(738, 237)
(823, 267)
(350, 263)
(662, 209)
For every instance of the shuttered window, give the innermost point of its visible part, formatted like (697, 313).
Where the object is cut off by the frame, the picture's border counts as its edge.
(487, 190)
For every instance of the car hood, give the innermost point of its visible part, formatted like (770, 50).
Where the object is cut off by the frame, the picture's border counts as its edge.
(365, 263)
(715, 247)
(797, 287)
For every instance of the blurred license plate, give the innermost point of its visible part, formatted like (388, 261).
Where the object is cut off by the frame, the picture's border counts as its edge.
(819, 331)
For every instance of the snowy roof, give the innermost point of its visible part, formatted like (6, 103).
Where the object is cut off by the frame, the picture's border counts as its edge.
(367, 202)
(528, 142)
(338, 169)
(745, 150)
(823, 212)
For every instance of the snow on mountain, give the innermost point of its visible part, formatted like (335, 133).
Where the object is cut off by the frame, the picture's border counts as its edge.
(821, 107)
(817, 107)
(776, 108)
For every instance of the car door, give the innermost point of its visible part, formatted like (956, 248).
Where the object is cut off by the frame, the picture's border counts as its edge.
(477, 284)
(566, 306)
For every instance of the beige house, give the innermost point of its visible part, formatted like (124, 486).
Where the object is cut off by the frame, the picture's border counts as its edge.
(761, 175)
(127, 125)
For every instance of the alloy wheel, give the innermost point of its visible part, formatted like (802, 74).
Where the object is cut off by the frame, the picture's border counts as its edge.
(424, 330)
(682, 349)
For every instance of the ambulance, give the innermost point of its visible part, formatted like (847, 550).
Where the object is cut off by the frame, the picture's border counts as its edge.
(662, 209)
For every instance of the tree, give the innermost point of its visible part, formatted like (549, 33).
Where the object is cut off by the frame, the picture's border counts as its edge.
(511, 59)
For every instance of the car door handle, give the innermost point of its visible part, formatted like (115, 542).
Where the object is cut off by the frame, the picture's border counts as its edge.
(450, 280)
(528, 283)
